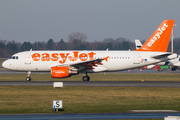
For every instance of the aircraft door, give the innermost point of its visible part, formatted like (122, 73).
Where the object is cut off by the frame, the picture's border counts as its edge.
(136, 58)
(27, 58)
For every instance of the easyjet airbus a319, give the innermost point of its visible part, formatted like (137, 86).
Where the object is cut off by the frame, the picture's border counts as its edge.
(64, 64)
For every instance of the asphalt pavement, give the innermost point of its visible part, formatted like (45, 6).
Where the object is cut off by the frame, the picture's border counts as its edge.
(86, 116)
(92, 83)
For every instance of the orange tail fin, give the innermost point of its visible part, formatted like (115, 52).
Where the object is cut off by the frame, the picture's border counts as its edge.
(159, 40)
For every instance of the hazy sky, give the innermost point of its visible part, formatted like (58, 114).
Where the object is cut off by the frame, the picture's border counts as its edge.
(40, 20)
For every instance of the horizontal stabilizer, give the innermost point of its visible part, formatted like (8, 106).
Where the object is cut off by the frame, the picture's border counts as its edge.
(163, 55)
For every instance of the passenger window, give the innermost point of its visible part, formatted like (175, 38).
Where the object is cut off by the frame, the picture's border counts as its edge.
(16, 57)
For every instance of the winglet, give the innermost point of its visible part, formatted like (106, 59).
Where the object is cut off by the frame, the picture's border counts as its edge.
(159, 40)
(106, 58)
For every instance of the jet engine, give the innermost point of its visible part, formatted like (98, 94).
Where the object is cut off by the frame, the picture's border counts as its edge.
(62, 72)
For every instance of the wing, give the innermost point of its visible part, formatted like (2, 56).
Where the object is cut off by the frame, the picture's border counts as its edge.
(90, 64)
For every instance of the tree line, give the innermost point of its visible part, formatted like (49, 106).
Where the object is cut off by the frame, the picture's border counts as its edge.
(8, 48)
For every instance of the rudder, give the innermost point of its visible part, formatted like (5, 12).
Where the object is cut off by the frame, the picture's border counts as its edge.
(159, 40)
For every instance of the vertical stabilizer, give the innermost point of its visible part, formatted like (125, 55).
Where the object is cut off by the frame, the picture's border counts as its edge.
(159, 40)
(138, 44)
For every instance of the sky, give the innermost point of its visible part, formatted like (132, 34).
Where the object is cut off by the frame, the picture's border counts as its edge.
(41, 20)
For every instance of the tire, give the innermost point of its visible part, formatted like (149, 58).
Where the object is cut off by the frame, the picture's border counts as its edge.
(86, 78)
(28, 79)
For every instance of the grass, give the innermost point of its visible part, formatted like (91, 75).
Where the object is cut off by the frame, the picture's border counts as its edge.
(96, 77)
(30, 99)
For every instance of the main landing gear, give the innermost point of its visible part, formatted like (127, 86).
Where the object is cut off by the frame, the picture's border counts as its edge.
(86, 77)
(28, 76)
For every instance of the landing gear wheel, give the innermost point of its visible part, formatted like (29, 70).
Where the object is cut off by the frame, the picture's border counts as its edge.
(28, 76)
(86, 78)
(28, 79)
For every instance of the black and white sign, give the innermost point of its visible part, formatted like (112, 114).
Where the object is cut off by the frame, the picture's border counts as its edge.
(57, 104)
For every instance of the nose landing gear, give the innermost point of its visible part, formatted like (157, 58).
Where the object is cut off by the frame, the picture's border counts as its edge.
(28, 76)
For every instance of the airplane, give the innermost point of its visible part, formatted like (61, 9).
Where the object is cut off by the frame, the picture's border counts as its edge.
(175, 63)
(138, 43)
(63, 64)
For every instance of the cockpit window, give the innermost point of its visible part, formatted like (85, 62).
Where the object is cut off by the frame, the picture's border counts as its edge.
(14, 57)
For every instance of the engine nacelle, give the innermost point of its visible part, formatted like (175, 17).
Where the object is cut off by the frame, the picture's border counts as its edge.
(61, 72)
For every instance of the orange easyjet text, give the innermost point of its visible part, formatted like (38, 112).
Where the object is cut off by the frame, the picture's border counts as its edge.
(64, 56)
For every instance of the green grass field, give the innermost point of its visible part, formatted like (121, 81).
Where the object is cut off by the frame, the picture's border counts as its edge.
(95, 77)
(18, 99)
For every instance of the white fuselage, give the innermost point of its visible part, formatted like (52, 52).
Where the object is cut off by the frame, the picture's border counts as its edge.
(117, 60)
